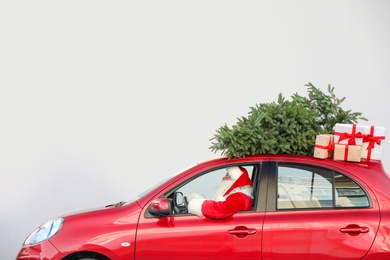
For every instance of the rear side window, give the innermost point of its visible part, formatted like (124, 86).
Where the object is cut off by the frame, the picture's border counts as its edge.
(302, 187)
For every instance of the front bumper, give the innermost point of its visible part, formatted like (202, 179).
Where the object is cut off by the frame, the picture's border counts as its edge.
(44, 250)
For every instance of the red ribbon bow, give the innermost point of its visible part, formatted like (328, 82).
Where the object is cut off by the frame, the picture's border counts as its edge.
(351, 137)
(329, 147)
(372, 140)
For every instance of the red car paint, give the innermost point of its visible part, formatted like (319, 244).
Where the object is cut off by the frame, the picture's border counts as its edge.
(149, 228)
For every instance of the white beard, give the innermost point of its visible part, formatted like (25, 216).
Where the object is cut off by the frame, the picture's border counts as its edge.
(221, 189)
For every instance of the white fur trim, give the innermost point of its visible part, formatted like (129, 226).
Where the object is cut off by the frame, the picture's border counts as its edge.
(247, 190)
(219, 197)
(195, 206)
(222, 187)
(234, 172)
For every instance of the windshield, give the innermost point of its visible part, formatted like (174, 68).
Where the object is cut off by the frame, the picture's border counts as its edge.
(152, 187)
(161, 182)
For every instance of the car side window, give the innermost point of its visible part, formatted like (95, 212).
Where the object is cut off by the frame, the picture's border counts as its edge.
(208, 182)
(204, 185)
(349, 193)
(303, 187)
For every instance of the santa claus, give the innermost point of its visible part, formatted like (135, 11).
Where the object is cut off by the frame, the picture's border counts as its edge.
(233, 194)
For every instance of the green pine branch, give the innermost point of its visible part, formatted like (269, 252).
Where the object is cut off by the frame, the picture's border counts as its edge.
(283, 127)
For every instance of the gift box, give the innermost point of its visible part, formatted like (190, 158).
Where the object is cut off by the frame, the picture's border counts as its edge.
(323, 147)
(347, 152)
(373, 141)
(348, 134)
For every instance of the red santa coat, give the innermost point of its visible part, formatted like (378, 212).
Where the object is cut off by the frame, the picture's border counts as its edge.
(236, 198)
(224, 209)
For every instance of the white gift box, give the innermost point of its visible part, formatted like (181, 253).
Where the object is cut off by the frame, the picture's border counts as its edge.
(373, 141)
(348, 134)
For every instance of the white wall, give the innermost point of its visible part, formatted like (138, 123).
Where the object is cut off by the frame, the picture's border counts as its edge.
(99, 98)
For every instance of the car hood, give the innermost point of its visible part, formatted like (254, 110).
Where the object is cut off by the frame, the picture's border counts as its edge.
(129, 207)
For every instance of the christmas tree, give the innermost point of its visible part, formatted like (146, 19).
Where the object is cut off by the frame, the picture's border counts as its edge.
(285, 126)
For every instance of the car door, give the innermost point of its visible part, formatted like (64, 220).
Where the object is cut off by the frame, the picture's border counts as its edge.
(317, 213)
(187, 236)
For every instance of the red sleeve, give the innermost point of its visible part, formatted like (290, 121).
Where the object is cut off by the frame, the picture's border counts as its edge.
(224, 209)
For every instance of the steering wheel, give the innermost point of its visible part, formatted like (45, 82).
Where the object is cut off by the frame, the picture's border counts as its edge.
(183, 208)
(176, 208)
(185, 202)
(180, 203)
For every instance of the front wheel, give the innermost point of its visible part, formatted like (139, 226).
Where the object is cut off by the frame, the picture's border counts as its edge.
(86, 256)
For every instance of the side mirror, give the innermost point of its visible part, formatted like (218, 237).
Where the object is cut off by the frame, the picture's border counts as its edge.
(161, 207)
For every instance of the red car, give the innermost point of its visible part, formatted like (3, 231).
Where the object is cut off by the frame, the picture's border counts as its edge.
(303, 208)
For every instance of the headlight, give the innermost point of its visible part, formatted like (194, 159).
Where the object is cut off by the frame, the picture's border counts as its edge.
(45, 231)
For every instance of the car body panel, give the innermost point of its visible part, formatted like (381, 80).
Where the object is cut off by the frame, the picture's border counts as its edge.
(200, 238)
(306, 234)
(130, 231)
(44, 250)
(107, 231)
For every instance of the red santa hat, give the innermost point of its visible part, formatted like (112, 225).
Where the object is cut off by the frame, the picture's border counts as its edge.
(241, 177)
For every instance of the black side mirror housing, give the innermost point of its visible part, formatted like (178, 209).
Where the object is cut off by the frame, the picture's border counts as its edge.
(161, 207)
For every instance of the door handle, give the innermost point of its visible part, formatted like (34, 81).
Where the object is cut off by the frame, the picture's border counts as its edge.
(242, 231)
(354, 230)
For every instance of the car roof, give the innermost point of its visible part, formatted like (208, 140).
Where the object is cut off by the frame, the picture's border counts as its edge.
(363, 164)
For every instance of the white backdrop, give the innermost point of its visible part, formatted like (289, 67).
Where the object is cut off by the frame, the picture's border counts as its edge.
(100, 99)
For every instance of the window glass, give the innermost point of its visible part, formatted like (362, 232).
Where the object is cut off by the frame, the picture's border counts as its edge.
(349, 194)
(301, 187)
(207, 183)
